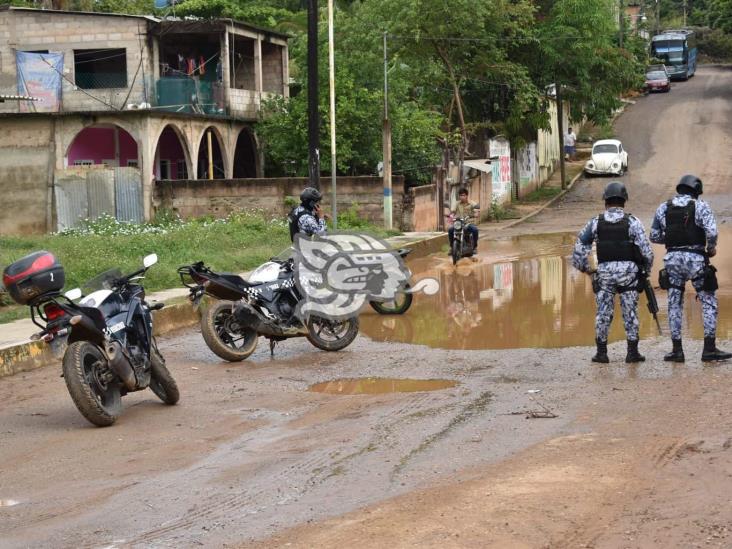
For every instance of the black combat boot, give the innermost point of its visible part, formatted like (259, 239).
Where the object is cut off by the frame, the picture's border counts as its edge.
(677, 354)
(633, 354)
(601, 354)
(711, 353)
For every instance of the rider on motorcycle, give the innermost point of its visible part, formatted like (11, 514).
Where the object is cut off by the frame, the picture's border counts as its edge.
(308, 218)
(465, 208)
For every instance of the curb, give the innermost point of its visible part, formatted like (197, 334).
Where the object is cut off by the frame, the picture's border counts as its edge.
(544, 206)
(32, 355)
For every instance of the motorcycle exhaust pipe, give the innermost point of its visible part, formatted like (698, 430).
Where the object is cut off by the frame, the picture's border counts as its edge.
(85, 325)
(120, 365)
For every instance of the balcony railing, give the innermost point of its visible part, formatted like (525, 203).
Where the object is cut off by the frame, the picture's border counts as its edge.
(190, 95)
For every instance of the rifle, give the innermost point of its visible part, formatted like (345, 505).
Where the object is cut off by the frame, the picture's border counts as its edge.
(645, 283)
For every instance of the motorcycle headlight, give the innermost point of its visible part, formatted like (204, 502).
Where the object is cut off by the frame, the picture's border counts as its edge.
(458, 225)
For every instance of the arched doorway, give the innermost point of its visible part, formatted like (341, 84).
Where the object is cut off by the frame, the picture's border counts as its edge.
(171, 156)
(215, 153)
(245, 156)
(104, 144)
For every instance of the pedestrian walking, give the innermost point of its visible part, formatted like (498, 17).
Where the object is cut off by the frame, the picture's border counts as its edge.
(623, 255)
(570, 144)
(686, 225)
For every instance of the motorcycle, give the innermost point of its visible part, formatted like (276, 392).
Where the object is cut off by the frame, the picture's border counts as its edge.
(110, 349)
(462, 243)
(401, 302)
(264, 305)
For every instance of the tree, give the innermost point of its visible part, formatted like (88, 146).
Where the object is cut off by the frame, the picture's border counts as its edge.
(578, 52)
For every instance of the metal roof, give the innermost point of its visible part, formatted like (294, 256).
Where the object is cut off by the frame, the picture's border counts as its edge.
(185, 24)
(4, 97)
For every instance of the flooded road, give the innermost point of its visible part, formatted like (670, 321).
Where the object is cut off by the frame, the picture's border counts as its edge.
(523, 292)
(380, 386)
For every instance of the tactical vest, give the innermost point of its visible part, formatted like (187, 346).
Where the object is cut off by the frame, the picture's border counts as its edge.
(293, 220)
(614, 242)
(681, 228)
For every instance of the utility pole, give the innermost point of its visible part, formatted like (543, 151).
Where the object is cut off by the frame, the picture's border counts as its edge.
(313, 114)
(560, 127)
(386, 141)
(331, 83)
(658, 17)
(621, 21)
(685, 9)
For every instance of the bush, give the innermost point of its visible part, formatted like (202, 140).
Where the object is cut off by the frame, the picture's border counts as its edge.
(715, 44)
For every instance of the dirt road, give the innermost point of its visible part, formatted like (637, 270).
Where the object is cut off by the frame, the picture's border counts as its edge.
(638, 456)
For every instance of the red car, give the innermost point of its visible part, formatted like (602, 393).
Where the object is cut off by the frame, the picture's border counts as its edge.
(657, 81)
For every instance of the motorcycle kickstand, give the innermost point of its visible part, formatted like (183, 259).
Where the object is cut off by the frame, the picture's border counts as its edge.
(272, 345)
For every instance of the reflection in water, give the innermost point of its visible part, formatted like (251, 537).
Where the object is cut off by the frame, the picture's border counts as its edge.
(525, 293)
(8, 502)
(380, 385)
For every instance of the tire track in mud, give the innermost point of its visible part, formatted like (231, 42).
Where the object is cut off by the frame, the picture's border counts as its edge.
(312, 470)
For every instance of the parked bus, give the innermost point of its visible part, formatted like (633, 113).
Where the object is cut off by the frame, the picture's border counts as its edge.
(677, 49)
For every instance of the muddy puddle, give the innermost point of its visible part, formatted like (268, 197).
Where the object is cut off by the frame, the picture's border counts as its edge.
(8, 502)
(523, 292)
(380, 386)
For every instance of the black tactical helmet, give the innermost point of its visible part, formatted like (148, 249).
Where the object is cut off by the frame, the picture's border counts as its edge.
(615, 190)
(690, 184)
(310, 196)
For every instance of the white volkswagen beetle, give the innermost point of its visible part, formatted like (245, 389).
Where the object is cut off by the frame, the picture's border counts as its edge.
(608, 157)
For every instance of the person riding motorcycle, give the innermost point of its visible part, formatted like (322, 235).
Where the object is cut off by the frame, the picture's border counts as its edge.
(623, 252)
(308, 218)
(465, 208)
(686, 225)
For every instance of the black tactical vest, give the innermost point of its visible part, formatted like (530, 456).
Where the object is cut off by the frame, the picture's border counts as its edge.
(681, 228)
(614, 242)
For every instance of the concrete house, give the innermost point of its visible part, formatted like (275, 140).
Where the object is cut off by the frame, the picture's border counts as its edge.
(124, 101)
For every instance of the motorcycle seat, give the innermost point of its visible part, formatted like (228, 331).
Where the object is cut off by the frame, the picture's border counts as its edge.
(235, 280)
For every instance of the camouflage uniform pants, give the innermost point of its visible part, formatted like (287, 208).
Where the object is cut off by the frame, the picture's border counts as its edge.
(611, 284)
(681, 267)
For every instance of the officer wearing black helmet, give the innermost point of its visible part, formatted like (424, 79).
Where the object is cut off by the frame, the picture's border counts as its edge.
(308, 218)
(623, 253)
(686, 225)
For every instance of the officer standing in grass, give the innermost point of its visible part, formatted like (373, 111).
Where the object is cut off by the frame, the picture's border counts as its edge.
(623, 255)
(686, 225)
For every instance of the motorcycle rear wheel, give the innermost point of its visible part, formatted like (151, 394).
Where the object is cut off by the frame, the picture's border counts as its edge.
(93, 389)
(398, 306)
(331, 335)
(161, 381)
(223, 334)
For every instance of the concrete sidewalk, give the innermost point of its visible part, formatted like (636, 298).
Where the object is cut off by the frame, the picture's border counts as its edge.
(20, 331)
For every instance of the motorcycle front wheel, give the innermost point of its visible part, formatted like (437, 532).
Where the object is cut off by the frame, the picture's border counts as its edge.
(331, 335)
(91, 384)
(161, 381)
(398, 306)
(224, 335)
(457, 251)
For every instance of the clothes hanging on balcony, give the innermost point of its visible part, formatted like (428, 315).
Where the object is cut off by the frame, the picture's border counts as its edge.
(181, 63)
(190, 66)
(201, 65)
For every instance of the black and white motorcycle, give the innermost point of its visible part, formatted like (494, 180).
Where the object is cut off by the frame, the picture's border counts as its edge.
(265, 304)
(110, 349)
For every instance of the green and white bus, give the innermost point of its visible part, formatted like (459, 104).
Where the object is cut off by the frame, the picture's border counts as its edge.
(677, 49)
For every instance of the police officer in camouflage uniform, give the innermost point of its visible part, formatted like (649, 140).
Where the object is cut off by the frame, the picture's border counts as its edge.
(686, 225)
(308, 218)
(623, 254)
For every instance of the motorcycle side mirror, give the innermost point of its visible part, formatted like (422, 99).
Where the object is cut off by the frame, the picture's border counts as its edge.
(74, 294)
(150, 260)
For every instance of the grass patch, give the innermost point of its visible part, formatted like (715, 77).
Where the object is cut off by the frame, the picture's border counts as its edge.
(237, 243)
(541, 194)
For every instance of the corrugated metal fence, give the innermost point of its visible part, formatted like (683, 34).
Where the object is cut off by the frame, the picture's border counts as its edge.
(87, 193)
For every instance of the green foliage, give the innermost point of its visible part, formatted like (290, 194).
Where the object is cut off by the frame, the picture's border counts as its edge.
(715, 44)
(578, 51)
